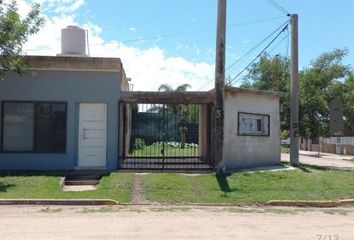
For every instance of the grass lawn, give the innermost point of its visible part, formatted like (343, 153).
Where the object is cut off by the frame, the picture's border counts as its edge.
(154, 150)
(285, 150)
(304, 183)
(114, 186)
(246, 187)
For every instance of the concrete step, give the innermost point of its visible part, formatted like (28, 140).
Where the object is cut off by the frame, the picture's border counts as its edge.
(82, 179)
(81, 182)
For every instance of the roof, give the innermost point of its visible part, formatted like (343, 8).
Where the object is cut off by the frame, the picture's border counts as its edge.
(253, 91)
(74, 63)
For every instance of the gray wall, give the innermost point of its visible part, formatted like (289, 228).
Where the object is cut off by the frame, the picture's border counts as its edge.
(250, 151)
(71, 87)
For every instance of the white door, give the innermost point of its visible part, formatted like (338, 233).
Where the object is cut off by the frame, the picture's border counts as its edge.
(92, 135)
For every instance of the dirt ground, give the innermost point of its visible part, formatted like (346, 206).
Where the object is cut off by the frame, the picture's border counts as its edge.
(174, 222)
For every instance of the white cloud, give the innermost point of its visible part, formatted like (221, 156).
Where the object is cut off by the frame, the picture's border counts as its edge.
(60, 6)
(71, 7)
(148, 68)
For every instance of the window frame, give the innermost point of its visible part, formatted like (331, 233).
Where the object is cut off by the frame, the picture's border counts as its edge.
(267, 134)
(34, 126)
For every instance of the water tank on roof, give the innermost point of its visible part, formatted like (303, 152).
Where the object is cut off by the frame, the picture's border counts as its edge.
(73, 41)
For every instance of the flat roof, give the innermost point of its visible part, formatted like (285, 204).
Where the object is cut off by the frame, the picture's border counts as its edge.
(252, 91)
(74, 63)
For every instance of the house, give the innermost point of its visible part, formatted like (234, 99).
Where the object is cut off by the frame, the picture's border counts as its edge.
(62, 114)
(75, 112)
(252, 129)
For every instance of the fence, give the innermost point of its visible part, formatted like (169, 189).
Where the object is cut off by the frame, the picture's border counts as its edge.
(337, 145)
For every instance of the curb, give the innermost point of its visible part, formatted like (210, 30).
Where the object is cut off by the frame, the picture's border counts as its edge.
(110, 202)
(77, 202)
(319, 204)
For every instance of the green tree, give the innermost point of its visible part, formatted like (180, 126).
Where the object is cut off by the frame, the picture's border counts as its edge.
(176, 108)
(14, 32)
(319, 84)
(261, 76)
(316, 83)
(345, 92)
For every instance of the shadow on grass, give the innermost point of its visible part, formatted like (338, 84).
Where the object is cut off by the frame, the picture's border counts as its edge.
(309, 168)
(223, 183)
(303, 168)
(5, 186)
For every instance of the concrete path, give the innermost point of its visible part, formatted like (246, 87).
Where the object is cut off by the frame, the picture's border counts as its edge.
(325, 160)
(173, 222)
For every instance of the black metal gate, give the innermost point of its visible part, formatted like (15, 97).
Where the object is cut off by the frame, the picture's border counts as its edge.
(165, 137)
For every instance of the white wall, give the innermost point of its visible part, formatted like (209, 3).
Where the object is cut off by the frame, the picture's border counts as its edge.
(250, 151)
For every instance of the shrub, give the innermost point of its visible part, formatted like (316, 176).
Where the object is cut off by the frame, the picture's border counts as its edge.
(139, 143)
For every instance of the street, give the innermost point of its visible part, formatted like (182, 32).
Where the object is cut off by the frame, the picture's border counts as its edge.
(172, 222)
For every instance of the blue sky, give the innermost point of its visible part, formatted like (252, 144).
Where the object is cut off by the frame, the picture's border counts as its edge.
(183, 32)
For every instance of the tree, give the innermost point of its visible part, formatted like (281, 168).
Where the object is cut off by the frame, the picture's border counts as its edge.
(176, 108)
(318, 85)
(345, 93)
(261, 76)
(14, 33)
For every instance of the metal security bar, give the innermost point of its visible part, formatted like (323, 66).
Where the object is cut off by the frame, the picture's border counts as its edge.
(165, 136)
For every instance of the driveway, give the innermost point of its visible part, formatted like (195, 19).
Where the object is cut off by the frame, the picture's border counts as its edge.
(324, 160)
(173, 222)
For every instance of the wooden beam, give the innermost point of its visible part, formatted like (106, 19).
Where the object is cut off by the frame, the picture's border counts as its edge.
(168, 97)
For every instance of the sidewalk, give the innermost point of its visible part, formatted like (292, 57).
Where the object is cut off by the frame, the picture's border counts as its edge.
(327, 155)
(343, 162)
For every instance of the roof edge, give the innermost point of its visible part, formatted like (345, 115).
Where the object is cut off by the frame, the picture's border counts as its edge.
(253, 91)
(73, 63)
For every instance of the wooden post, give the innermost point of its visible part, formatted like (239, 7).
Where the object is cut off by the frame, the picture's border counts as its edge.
(294, 93)
(220, 86)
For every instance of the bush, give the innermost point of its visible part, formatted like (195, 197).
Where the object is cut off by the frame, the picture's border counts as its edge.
(139, 143)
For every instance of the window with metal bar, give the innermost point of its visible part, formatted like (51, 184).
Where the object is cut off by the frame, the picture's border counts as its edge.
(251, 124)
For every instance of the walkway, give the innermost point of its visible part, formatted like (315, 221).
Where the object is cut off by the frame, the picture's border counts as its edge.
(325, 160)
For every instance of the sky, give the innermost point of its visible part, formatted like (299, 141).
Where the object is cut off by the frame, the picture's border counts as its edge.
(173, 42)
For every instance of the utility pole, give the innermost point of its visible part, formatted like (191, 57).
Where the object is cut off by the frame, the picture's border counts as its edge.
(220, 86)
(294, 93)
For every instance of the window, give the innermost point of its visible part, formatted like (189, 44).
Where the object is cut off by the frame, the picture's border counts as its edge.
(250, 124)
(34, 127)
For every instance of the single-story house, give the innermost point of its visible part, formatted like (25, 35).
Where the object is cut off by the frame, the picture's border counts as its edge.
(62, 114)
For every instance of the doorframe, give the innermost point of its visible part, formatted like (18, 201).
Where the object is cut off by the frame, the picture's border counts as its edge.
(77, 125)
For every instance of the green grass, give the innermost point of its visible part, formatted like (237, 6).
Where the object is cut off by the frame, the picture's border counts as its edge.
(154, 150)
(116, 186)
(245, 187)
(285, 150)
(304, 183)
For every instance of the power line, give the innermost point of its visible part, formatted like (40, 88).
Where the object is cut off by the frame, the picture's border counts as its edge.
(280, 8)
(249, 52)
(202, 31)
(232, 80)
(183, 33)
(255, 47)
(286, 36)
